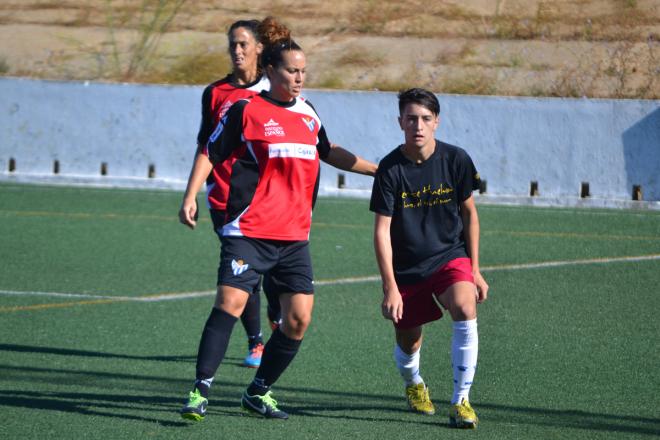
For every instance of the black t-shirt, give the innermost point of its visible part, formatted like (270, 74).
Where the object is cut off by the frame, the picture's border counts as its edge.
(424, 203)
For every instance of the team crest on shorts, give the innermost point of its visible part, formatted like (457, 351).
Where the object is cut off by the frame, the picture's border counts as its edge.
(238, 266)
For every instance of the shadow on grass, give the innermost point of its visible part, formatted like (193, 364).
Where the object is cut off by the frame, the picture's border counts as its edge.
(488, 413)
(92, 354)
(102, 355)
(374, 409)
(125, 407)
(573, 419)
(315, 403)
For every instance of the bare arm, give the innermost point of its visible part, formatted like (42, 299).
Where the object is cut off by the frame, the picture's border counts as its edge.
(471, 234)
(347, 161)
(392, 307)
(201, 169)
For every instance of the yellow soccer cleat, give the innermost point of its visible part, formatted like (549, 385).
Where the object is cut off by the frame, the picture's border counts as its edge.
(462, 416)
(419, 400)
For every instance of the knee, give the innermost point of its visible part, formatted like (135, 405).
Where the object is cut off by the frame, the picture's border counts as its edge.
(295, 324)
(231, 300)
(463, 311)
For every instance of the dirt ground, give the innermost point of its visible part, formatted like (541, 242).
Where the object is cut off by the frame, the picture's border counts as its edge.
(594, 48)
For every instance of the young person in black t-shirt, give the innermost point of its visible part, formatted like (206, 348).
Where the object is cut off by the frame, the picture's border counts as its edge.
(427, 246)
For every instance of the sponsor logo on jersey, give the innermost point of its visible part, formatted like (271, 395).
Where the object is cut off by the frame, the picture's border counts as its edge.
(299, 151)
(225, 106)
(273, 128)
(309, 122)
(238, 267)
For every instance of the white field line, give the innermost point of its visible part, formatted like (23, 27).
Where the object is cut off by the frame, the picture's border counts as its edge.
(510, 267)
(339, 281)
(147, 298)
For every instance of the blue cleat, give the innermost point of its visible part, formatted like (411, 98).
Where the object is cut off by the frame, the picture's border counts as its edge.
(253, 358)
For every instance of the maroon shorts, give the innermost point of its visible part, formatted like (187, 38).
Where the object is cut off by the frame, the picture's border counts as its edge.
(420, 300)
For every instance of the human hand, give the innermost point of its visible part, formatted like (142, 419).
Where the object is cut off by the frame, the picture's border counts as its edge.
(188, 213)
(482, 287)
(392, 306)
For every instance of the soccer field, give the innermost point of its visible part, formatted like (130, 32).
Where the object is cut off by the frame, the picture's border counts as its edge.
(103, 296)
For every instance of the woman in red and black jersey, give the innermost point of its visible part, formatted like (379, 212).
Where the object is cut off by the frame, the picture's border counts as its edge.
(245, 80)
(278, 140)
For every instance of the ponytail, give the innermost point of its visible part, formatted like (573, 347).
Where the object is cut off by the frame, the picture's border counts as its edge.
(276, 38)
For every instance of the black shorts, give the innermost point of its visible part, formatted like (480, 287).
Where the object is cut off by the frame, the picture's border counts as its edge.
(288, 264)
(218, 218)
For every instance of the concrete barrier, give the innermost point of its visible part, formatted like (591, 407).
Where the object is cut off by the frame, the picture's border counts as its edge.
(144, 136)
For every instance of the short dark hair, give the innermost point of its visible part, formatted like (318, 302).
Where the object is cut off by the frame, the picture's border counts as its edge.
(419, 96)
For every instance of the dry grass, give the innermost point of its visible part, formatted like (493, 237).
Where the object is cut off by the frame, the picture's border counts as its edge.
(201, 67)
(360, 57)
(595, 48)
(4, 66)
(327, 81)
(475, 84)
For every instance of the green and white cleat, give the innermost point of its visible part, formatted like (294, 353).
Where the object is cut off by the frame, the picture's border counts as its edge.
(264, 406)
(195, 408)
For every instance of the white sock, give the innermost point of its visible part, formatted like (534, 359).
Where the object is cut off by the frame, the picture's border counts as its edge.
(408, 365)
(464, 350)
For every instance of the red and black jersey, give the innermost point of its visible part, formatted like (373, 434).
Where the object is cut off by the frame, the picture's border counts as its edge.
(217, 98)
(274, 181)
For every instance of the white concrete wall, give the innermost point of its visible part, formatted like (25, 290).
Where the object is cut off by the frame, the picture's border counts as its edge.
(83, 125)
(611, 144)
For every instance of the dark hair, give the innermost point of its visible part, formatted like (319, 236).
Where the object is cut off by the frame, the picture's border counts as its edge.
(419, 96)
(272, 54)
(276, 39)
(251, 25)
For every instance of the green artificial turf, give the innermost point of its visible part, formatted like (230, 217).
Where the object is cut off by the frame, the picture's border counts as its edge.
(567, 351)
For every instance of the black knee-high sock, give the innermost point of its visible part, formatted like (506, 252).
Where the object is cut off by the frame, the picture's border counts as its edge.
(251, 319)
(278, 354)
(213, 345)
